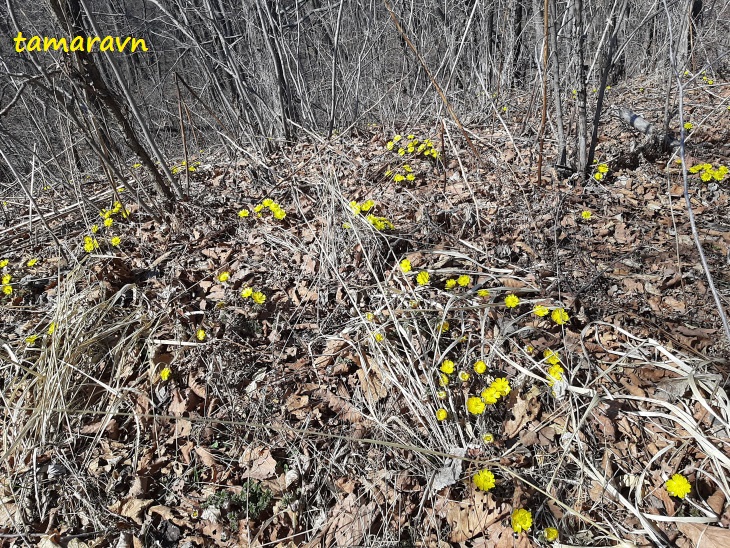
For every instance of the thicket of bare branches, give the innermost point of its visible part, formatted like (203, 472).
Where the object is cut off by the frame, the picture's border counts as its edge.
(248, 74)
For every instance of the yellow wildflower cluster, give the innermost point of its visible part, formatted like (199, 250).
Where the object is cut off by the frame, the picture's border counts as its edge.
(380, 223)
(256, 296)
(5, 287)
(90, 244)
(177, 169)
(601, 171)
(411, 145)
(404, 173)
(490, 395)
(276, 210)
(364, 207)
(708, 173)
(107, 214)
(461, 281)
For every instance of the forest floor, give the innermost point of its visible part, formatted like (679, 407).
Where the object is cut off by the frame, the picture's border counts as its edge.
(287, 357)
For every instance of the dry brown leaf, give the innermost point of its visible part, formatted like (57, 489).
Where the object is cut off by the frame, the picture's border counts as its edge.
(205, 456)
(473, 515)
(131, 508)
(163, 511)
(331, 351)
(346, 410)
(705, 536)
(524, 410)
(372, 381)
(258, 463)
(512, 283)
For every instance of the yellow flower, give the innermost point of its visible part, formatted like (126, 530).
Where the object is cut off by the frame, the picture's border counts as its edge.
(390, 145)
(443, 327)
(490, 395)
(475, 405)
(258, 297)
(488, 437)
(31, 339)
(367, 205)
(401, 152)
(463, 376)
(555, 373)
(257, 208)
(108, 222)
(346, 225)
(165, 373)
(4, 263)
(541, 310)
(6, 279)
(688, 125)
(378, 337)
(560, 316)
(244, 213)
(521, 520)
(32, 262)
(397, 138)
(443, 380)
(405, 265)
(423, 278)
(484, 480)
(200, 335)
(441, 394)
(501, 385)
(586, 215)
(529, 349)
(136, 166)
(407, 168)
(115, 241)
(450, 283)
(278, 213)
(398, 178)
(52, 328)
(598, 176)
(410, 136)
(483, 293)
(7, 289)
(369, 316)
(511, 300)
(464, 280)
(247, 292)
(551, 534)
(447, 367)
(480, 367)
(441, 414)
(223, 276)
(602, 168)
(410, 177)
(94, 229)
(267, 202)
(551, 357)
(678, 486)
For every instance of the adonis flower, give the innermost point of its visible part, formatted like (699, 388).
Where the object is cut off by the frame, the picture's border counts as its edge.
(511, 300)
(475, 405)
(484, 480)
(678, 486)
(521, 520)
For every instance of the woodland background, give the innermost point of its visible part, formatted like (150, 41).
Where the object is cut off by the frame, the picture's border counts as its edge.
(234, 313)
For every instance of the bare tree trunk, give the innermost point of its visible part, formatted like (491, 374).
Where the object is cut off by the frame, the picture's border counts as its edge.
(579, 45)
(555, 81)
